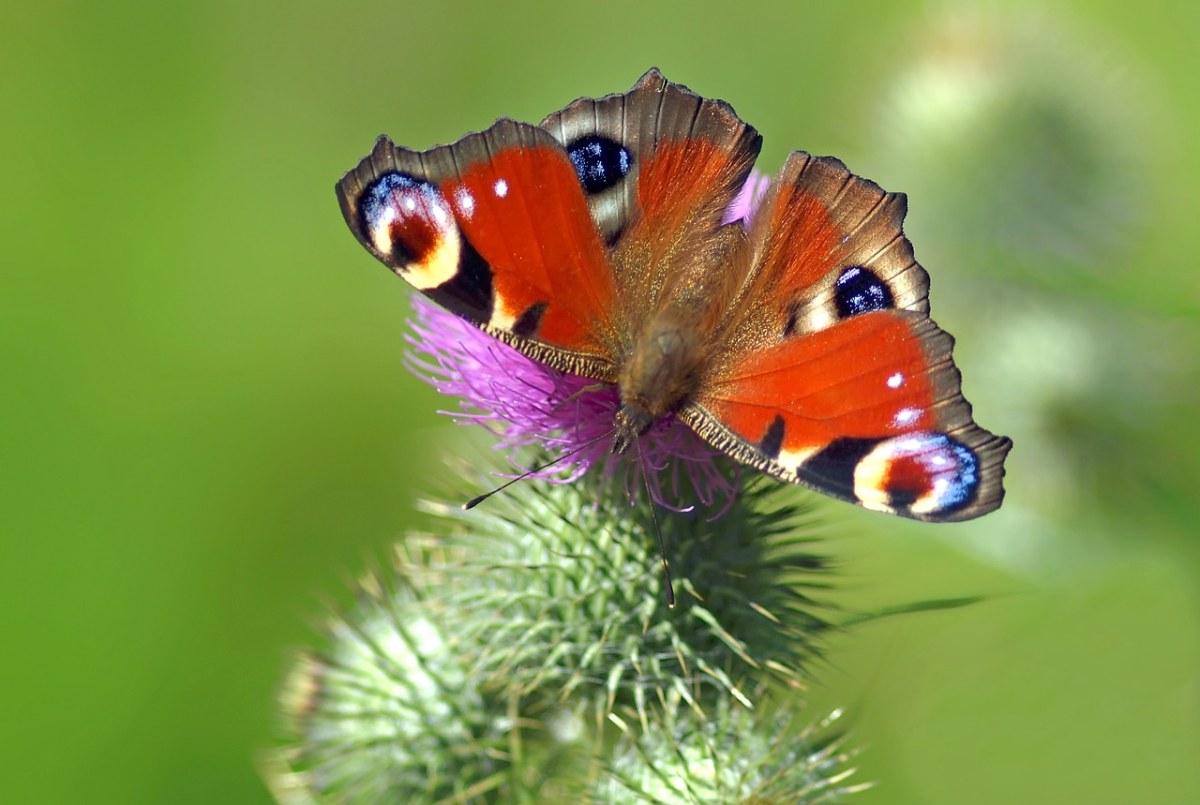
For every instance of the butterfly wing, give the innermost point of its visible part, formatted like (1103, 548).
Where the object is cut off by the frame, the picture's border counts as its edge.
(562, 239)
(660, 166)
(700, 149)
(829, 371)
(496, 229)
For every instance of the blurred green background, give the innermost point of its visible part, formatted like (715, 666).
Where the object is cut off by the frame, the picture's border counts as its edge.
(207, 430)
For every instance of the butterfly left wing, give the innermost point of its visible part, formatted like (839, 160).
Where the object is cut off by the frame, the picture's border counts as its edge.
(831, 374)
(494, 227)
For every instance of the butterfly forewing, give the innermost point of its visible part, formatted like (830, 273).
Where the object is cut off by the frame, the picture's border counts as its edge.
(495, 228)
(867, 410)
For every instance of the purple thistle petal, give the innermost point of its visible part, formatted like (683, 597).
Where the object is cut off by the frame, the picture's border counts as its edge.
(748, 199)
(526, 403)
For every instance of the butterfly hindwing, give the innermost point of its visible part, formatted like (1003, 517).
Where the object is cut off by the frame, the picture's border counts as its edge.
(700, 149)
(827, 243)
(660, 166)
(495, 228)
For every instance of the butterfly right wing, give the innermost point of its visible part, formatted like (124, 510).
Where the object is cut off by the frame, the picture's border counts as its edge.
(658, 152)
(829, 372)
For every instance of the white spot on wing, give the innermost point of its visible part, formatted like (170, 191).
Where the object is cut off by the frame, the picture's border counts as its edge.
(501, 188)
(895, 381)
(441, 216)
(465, 202)
(817, 319)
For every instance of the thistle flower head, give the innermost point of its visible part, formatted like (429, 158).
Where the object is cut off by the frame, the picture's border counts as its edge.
(526, 656)
(386, 693)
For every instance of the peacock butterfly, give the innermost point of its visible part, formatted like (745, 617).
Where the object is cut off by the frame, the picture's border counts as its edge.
(800, 345)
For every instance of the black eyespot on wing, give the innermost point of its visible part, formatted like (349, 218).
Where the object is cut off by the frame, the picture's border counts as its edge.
(833, 467)
(772, 440)
(860, 290)
(600, 162)
(469, 292)
(528, 322)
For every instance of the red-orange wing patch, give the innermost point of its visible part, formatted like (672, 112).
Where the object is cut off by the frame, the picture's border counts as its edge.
(660, 166)
(867, 376)
(819, 221)
(867, 410)
(660, 153)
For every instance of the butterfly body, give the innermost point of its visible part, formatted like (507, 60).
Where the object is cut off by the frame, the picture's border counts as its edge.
(596, 243)
(664, 367)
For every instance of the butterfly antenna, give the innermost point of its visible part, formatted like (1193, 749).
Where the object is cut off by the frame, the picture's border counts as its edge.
(662, 547)
(475, 501)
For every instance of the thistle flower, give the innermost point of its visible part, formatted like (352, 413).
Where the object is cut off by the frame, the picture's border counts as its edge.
(567, 597)
(527, 657)
(528, 404)
(369, 713)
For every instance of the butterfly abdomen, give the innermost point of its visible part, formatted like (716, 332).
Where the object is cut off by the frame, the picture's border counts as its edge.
(660, 374)
(664, 366)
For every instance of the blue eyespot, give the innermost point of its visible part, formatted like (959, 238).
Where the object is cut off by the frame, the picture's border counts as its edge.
(600, 163)
(859, 290)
